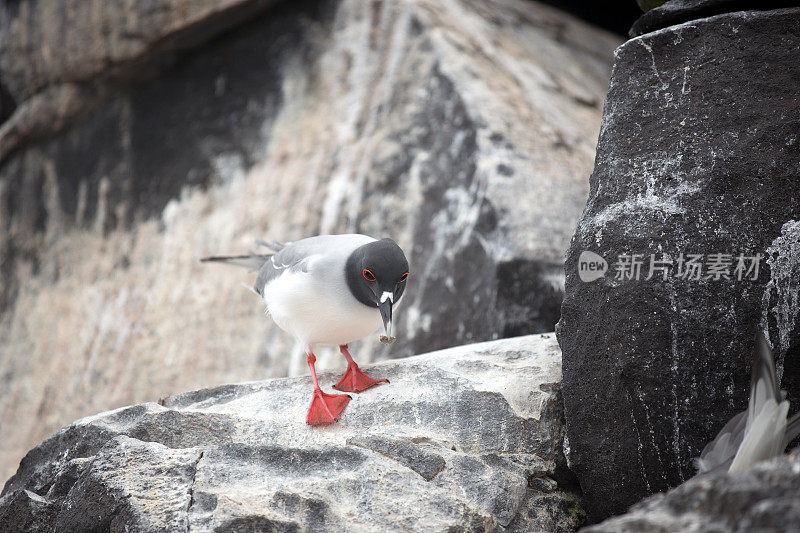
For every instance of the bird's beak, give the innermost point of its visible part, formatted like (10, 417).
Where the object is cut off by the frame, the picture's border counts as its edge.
(385, 307)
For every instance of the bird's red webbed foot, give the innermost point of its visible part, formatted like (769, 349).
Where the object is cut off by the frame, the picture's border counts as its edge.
(325, 408)
(354, 379)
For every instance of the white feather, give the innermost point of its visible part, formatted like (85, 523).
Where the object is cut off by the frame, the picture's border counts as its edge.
(318, 313)
(763, 438)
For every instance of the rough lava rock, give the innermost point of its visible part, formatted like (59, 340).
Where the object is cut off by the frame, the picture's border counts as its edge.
(698, 154)
(763, 498)
(453, 127)
(467, 438)
(676, 12)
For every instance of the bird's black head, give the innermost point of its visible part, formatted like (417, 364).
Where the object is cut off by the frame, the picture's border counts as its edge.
(376, 274)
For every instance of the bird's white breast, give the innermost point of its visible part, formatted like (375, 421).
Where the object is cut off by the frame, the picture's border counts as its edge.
(318, 312)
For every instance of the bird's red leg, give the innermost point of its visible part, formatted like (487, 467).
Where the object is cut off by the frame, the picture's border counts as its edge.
(354, 380)
(324, 408)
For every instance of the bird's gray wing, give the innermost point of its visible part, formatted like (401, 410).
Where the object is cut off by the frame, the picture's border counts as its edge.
(766, 411)
(251, 260)
(295, 256)
(291, 257)
(719, 453)
(763, 378)
(755, 433)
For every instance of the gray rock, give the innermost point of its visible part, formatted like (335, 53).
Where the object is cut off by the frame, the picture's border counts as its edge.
(414, 454)
(468, 438)
(697, 155)
(23, 510)
(131, 485)
(452, 127)
(764, 498)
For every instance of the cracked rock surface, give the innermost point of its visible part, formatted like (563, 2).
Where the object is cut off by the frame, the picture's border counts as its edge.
(697, 161)
(469, 437)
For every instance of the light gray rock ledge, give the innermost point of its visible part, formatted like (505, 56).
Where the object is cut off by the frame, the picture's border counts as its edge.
(765, 498)
(468, 438)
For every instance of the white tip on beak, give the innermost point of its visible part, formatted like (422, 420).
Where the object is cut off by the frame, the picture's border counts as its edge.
(389, 295)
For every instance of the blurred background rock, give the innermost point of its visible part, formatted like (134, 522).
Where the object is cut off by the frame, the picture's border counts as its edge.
(138, 137)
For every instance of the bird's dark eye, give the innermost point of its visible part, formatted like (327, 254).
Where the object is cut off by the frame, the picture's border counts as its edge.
(368, 275)
(403, 277)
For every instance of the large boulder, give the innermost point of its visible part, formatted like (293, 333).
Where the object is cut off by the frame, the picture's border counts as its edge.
(698, 155)
(452, 127)
(763, 498)
(673, 12)
(467, 438)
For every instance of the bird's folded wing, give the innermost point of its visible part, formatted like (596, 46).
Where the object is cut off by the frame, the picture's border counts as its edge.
(766, 411)
(719, 453)
(764, 436)
(752, 433)
(763, 379)
(292, 257)
(273, 245)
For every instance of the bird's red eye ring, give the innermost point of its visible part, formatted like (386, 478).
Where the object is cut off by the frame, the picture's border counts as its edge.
(368, 275)
(403, 277)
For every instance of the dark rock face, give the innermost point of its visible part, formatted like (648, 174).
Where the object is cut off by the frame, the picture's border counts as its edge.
(609, 14)
(764, 498)
(125, 161)
(467, 438)
(528, 296)
(59, 62)
(23, 510)
(697, 155)
(677, 12)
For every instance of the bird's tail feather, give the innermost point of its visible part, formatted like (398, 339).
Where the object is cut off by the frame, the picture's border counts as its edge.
(275, 246)
(251, 261)
(719, 453)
